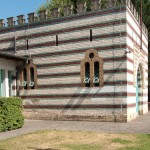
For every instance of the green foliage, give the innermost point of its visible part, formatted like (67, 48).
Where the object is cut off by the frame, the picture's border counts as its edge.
(54, 4)
(104, 4)
(142, 143)
(61, 3)
(10, 113)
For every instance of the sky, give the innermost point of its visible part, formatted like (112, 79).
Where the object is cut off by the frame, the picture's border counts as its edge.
(13, 8)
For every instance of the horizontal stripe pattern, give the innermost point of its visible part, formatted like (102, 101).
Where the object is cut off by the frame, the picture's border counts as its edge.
(83, 95)
(79, 84)
(124, 58)
(53, 43)
(73, 106)
(77, 51)
(51, 80)
(68, 106)
(139, 36)
(47, 33)
(54, 32)
(78, 73)
(135, 21)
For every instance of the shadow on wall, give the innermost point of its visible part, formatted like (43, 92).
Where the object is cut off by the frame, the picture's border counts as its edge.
(71, 103)
(76, 102)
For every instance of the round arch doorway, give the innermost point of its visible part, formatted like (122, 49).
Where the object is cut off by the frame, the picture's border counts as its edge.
(139, 91)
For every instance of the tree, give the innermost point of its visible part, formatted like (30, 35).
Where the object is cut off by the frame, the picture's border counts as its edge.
(54, 4)
(60, 3)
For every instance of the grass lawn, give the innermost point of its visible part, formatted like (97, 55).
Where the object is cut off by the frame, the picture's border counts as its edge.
(76, 140)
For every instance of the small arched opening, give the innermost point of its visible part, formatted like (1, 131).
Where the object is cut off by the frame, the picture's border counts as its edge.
(25, 78)
(96, 73)
(139, 90)
(32, 78)
(87, 74)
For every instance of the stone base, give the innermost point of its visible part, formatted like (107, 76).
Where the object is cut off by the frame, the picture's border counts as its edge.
(65, 117)
(132, 116)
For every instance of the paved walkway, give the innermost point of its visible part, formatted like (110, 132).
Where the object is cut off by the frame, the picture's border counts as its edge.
(140, 125)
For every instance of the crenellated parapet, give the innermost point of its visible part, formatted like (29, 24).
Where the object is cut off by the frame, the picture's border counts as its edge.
(2, 23)
(21, 19)
(43, 15)
(11, 22)
(32, 17)
(70, 10)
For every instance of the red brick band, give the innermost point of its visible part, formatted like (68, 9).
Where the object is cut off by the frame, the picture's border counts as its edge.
(79, 84)
(78, 73)
(78, 62)
(124, 58)
(78, 106)
(73, 106)
(42, 34)
(83, 95)
(52, 43)
(100, 48)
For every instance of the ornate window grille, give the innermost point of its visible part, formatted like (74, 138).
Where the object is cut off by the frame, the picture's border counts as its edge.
(92, 69)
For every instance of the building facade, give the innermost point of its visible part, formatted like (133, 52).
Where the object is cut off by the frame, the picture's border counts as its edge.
(86, 66)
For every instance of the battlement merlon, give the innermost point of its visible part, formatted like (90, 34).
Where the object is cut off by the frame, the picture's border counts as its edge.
(69, 10)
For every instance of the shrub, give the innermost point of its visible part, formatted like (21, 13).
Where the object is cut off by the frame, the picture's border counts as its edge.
(10, 113)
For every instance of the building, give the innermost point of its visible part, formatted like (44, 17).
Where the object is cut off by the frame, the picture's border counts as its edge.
(86, 66)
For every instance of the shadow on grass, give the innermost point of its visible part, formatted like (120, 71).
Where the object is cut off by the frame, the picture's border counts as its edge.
(42, 148)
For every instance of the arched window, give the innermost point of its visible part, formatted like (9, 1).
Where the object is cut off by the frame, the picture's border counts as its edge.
(32, 78)
(91, 69)
(28, 76)
(96, 73)
(87, 74)
(24, 78)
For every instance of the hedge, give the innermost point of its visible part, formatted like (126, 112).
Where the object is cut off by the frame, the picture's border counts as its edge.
(10, 113)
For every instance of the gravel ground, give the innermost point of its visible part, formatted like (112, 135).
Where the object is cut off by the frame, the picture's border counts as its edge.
(140, 125)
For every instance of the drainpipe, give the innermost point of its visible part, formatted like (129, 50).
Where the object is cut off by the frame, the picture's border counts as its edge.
(141, 20)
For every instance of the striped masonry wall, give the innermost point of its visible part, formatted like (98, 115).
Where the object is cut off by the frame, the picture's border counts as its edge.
(139, 57)
(59, 94)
